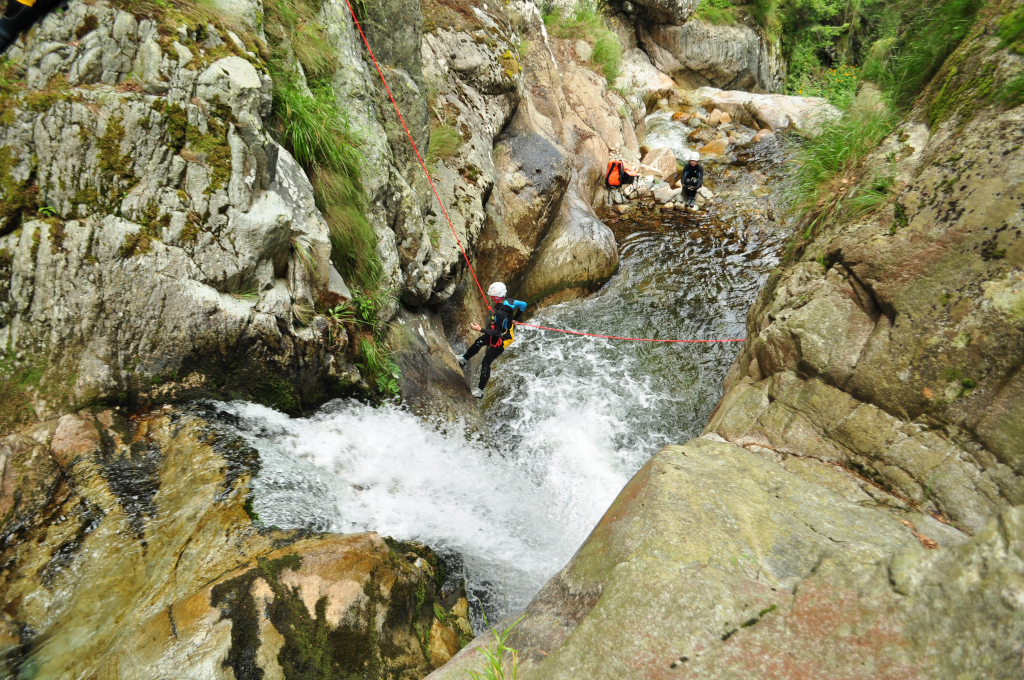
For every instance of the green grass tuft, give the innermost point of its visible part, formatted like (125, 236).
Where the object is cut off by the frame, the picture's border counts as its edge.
(586, 22)
(830, 167)
(445, 142)
(501, 662)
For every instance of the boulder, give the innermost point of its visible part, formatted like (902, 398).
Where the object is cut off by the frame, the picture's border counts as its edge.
(665, 193)
(716, 147)
(578, 254)
(150, 561)
(584, 50)
(718, 563)
(706, 193)
(663, 160)
(532, 173)
(430, 380)
(806, 115)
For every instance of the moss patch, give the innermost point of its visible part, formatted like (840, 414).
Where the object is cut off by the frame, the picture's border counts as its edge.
(111, 162)
(312, 650)
(18, 199)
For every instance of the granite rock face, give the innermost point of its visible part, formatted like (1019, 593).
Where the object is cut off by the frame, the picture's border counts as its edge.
(901, 356)
(130, 552)
(174, 233)
(715, 562)
(698, 54)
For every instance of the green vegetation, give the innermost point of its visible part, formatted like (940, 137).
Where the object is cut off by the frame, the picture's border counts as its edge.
(925, 35)
(310, 123)
(586, 23)
(717, 12)
(501, 662)
(445, 142)
(830, 167)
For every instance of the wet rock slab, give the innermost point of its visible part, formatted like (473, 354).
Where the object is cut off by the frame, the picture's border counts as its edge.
(717, 563)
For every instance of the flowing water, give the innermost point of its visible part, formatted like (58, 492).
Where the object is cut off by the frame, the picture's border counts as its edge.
(572, 418)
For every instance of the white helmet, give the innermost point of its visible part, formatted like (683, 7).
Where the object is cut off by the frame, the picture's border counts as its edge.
(694, 156)
(497, 289)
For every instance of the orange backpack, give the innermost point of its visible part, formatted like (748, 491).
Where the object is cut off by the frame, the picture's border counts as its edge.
(619, 173)
(613, 176)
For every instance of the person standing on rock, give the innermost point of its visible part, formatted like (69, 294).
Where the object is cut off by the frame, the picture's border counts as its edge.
(497, 336)
(693, 180)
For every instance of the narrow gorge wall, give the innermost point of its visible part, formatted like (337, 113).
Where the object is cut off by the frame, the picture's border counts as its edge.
(893, 344)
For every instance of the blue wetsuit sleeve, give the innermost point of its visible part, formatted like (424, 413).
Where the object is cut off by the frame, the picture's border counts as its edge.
(520, 305)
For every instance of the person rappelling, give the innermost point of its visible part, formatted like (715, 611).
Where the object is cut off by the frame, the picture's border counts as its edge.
(498, 335)
(693, 180)
(20, 16)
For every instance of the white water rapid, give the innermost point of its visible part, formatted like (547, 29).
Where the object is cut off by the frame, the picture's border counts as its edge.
(572, 418)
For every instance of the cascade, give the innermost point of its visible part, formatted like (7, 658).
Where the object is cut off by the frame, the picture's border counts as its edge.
(571, 418)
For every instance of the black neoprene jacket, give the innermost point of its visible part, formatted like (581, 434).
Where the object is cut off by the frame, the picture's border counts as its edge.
(693, 176)
(501, 321)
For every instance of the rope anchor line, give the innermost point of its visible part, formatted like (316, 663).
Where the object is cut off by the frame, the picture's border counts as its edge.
(451, 226)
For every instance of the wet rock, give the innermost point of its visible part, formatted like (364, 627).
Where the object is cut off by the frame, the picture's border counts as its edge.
(443, 645)
(338, 600)
(578, 255)
(762, 135)
(716, 147)
(146, 560)
(431, 382)
(662, 160)
(806, 115)
(716, 525)
(715, 118)
(533, 170)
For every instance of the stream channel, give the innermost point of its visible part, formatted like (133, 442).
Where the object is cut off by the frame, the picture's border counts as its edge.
(572, 418)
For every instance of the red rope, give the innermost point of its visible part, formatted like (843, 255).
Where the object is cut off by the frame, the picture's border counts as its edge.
(615, 337)
(417, 151)
(452, 226)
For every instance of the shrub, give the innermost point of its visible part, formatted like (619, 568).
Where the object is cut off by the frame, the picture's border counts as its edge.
(717, 12)
(927, 34)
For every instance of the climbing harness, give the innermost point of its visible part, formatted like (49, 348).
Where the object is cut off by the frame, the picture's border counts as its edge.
(509, 312)
(625, 175)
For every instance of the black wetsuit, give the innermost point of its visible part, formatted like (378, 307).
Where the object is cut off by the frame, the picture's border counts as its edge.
(497, 331)
(18, 18)
(693, 179)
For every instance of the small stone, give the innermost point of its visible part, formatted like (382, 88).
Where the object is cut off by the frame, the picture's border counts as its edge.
(715, 118)
(584, 51)
(726, 118)
(623, 208)
(670, 206)
(762, 135)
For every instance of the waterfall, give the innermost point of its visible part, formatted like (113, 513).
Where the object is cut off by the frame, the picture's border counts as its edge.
(571, 418)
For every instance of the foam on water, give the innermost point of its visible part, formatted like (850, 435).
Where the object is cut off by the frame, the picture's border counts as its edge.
(514, 520)
(572, 418)
(662, 131)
